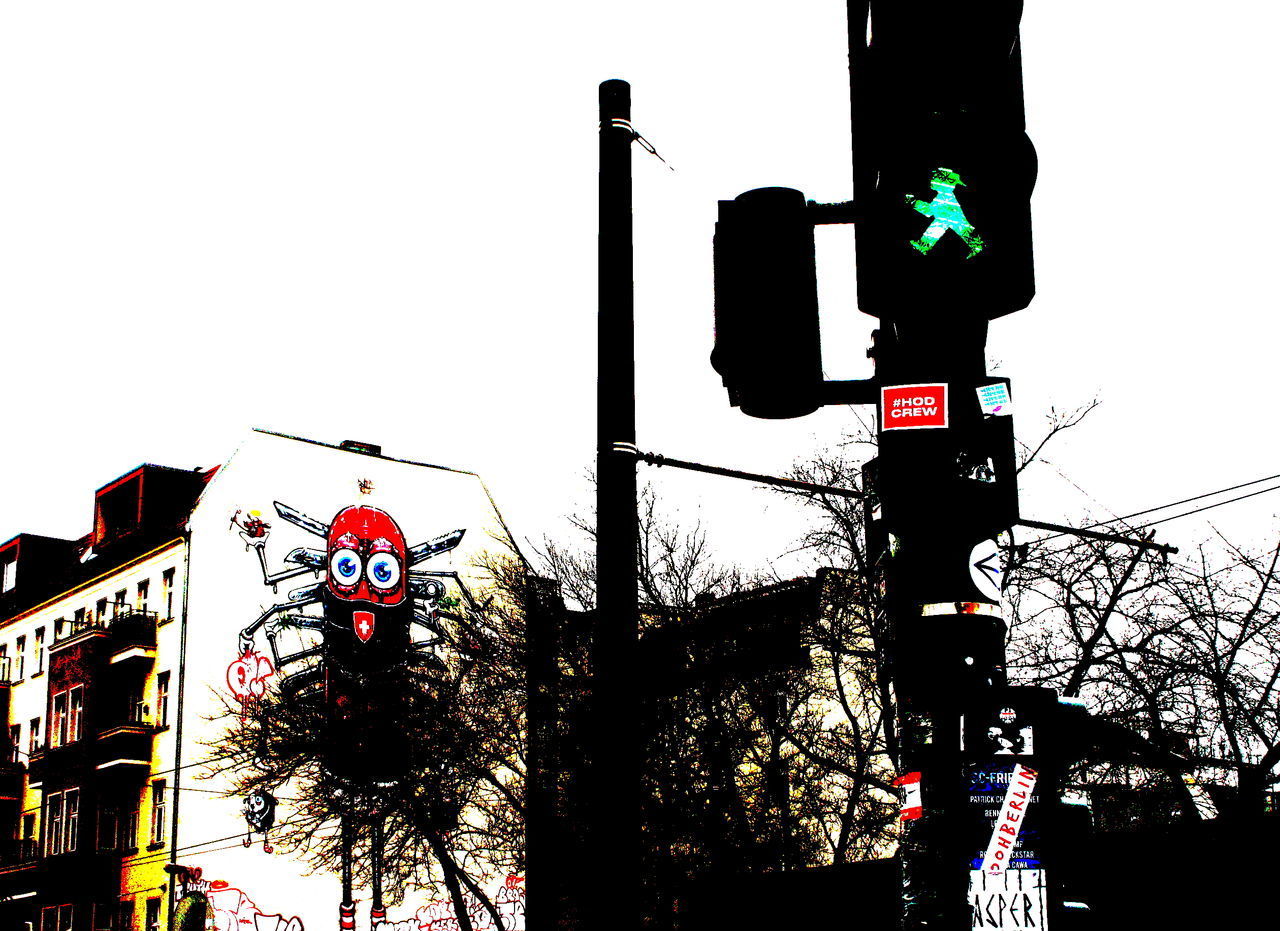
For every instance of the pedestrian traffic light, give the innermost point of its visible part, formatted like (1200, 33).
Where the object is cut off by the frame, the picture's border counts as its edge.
(766, 345)
(946, 168)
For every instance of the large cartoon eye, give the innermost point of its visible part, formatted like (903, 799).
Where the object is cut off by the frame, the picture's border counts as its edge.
(344, 566)
(384, 570)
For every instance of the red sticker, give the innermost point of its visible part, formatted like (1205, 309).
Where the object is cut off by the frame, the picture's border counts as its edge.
(913, 407)
(912, 799)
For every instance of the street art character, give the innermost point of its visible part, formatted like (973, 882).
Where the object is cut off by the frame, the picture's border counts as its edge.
(363, 617)
(260, 816)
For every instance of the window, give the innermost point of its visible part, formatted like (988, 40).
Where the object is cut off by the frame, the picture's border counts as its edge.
(61, 822)
(66, 722)
(29, 847)
(118, 824)
(128, 826)
(104, 916)
(77, 624)
(8, 572)
(158, 811)
(144, 590)
(124, 920)
(153, 915)
(40, 646)
(19, 658)
(101, 612)
(166, 591)
(58, 721)
(70, 819)
(75, 713)
(15, 742)
(108, 825)
(33, 736)
(4, 663)
(56, 918)
(162, 699)
(53, 824)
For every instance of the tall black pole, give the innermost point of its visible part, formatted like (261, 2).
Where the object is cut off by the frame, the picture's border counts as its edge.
(613, 899)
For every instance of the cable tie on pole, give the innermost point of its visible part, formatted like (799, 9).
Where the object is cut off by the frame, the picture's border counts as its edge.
(619, 123)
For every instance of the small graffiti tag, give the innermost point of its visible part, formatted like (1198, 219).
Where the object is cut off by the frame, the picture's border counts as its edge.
(247, 676)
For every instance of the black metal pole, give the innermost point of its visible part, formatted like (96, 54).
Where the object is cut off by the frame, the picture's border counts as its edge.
(614, 898)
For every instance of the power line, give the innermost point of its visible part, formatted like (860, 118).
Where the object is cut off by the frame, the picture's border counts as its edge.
(238, 837)
(1162, 507)
(1211, 506)
(1207, 494)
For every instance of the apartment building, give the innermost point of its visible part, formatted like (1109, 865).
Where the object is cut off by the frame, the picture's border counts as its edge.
(88, 649)
(126, 654)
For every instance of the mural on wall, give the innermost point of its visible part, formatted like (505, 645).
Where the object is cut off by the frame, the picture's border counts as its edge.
(354, 658)
(439, 915)
(229, 908)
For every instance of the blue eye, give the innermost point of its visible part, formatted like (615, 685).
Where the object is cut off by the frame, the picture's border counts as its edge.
(384, 570)
(344, 565)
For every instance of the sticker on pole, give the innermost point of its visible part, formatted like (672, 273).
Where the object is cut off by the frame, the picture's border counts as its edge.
(994, 399)
(1004, 837)
(986, 568)
(912, 800)
(913, 407)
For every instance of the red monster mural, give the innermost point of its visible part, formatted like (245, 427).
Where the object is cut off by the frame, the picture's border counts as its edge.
(364, 618)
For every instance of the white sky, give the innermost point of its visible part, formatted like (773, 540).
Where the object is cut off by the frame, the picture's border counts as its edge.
(377, 221)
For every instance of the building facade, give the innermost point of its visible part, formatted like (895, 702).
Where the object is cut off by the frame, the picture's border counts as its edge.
(88, 649)
(130, 658)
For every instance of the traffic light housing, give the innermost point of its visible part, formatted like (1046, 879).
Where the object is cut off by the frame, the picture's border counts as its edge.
(766, 344)
(945, 166)
(963, 475)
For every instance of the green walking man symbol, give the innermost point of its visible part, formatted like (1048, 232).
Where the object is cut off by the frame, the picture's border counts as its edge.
(946, 212)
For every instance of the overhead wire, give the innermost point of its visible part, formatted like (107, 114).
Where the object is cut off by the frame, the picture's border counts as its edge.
(1124, 519)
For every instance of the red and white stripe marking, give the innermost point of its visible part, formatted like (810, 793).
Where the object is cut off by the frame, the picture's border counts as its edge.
(912, 798)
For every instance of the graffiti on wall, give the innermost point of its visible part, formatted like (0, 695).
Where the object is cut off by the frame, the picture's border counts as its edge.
(350, 643)
(230, 908)
(233, 910)
(438, 915)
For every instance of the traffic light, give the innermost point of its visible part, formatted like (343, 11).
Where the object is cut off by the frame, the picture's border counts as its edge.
(767, 346)
(945, 165)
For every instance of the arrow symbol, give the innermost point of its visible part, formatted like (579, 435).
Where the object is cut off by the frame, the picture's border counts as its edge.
(986, 567)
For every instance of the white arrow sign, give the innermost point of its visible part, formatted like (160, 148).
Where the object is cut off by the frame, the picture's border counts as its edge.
(986, 568)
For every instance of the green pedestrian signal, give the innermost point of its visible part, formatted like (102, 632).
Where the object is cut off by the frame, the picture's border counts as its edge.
(943, 168)
(946, 213)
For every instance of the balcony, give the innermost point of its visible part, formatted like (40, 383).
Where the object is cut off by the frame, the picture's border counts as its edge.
(18, 854)
(125, 744)
(133, 637)
(129, 633)
(78, 631)
(11, 778)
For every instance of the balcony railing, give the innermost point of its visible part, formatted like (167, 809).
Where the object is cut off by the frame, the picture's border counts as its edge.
(121, 619)
(18, 852)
